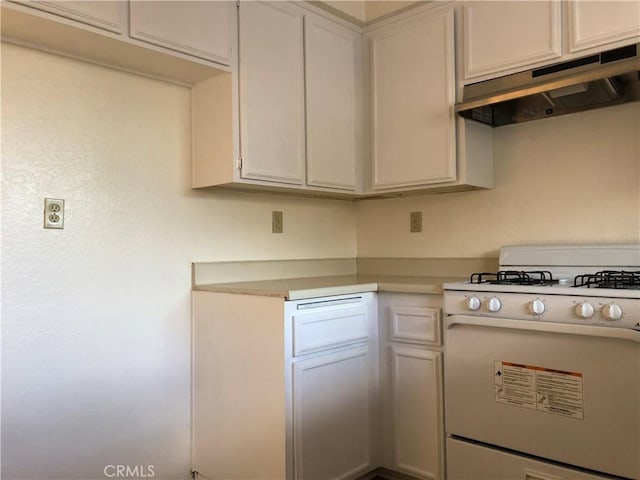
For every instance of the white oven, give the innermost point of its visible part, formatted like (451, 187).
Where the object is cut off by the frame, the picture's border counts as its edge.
(542, 382)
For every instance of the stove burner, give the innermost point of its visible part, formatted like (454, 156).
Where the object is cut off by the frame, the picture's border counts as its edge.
(609, 279)
(514, 277)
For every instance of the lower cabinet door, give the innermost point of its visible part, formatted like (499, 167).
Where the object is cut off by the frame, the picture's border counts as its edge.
(332, 415)
(416, 395)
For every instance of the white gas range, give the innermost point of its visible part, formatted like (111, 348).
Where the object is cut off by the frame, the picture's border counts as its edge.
(542, 366)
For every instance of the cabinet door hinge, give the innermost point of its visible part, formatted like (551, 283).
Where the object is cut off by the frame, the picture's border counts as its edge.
(240, 162)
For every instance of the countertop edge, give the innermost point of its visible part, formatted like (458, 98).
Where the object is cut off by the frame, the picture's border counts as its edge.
(305, 288)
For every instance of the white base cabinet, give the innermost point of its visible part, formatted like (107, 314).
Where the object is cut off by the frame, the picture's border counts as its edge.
(416, 386)
(324, 388)
(411, 384)
(332, 415)
(284, 389)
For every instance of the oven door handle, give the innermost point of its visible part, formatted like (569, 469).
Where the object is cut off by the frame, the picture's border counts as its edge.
(570, 329)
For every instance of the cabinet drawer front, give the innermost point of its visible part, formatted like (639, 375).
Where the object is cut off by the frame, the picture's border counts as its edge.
(416, 325)
(315, 331)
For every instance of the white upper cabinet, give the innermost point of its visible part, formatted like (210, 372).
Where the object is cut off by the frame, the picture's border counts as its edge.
(182, 41)
(503, 36)
(299, 106)
(197, 28)
(271, 73)
(332, 103)
(412, 96)
(602, 23)
(107, 15)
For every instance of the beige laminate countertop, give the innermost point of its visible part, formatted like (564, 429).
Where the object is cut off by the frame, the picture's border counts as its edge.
(311, 287)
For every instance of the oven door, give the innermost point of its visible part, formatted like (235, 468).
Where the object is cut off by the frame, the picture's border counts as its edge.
(568, 393)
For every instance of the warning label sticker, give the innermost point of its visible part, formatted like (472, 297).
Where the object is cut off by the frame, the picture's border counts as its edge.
(539, 388)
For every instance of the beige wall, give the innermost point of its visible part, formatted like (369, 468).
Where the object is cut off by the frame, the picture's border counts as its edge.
(574, 178)
(96, 317)
(355, 9)
(369, 10)
(375, 8)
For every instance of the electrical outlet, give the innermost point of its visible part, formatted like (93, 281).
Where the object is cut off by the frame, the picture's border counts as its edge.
(53, 213)
(276, 222)
(416, 222)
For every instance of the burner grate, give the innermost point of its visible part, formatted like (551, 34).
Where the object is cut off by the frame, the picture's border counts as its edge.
(609, 279)
(514, 277)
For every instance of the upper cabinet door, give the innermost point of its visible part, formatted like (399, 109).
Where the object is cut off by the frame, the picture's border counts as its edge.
(507, 36)
(271, 92)
(599, 23)
(107, 15)
(200, 29)
(331, 89)
(412, 90)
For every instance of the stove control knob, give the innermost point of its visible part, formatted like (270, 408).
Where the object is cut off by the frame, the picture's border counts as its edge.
(612, 311)
(536, 307)
(473, 303)
(493, 304)
(584, 310)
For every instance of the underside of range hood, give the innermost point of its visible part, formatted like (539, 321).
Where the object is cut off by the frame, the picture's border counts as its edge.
(599, 80)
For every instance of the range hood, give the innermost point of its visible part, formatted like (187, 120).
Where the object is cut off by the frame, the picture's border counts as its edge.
(594, 81)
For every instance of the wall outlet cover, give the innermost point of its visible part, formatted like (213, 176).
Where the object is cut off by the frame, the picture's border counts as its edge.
(415, 222)
(277, 225)
(53, 213)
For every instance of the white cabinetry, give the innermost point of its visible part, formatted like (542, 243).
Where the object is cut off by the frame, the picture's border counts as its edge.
(417, 141)
(179, 41)
(505, 36)
(271, 72)
(201, 29)
(284, 389)
(412, 95)
(299, 120)
(411, 384)
(333, 76)
(107, 15)
(602, 23)
(332, 414)
(500, 38)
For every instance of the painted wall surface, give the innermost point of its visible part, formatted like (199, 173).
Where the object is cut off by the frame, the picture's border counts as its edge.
(375, 9)
(574, 178)
(356, 9)
(96, 317)
(369, 10)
